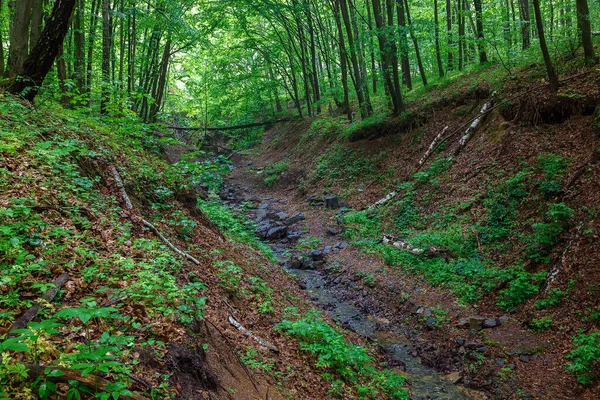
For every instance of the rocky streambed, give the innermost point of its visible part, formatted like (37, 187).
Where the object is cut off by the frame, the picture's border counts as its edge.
(312, 256)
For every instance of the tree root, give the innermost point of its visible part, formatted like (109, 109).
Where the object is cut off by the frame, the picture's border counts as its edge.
(249, 334)
(403, 245)
(90, 380)
(49, 296)
(147, 224)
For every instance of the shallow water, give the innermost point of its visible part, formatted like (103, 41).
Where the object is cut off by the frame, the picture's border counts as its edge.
(425, 382)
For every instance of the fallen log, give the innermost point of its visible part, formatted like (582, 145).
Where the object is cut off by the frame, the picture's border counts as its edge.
(92, 381)
(403, 245)
(432, 146)
(249, 334)
(147, 224)
(487, 107)
(48, 297)
(384, 200)
(229, 128)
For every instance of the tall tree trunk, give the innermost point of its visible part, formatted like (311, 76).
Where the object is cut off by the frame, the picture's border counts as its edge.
(406, 77)
(438, 52)
(449, 31)
(480, 35)
(365, 106)
(79, 51)
(343, 60)
(372, 48)
(525, 23)
(313, 58)
(37, 21)
(42, 56)
(2, 64)
(162, 81)
(19, 37)
(278, 107)
(552, 77)
(61, 74)
(121, 45)
(415, 44)
(583, 23)
(106, 47)
(461, 34)
(91, 40)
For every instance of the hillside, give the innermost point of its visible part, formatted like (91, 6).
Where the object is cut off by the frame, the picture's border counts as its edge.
(504, 292)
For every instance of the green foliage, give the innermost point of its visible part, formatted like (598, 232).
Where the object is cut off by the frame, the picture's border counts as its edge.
(368, 278)
(344, 361)
(554, 297)
(541, 324)
(234, 226)
(328, 128)
(255, 361)
(553, 169)
(547, 234)
(230, 276)
(584, 357)
(207, 173)
(521, 288)
(263, 295)
(371, 122)
(342, 164)
(274, 171)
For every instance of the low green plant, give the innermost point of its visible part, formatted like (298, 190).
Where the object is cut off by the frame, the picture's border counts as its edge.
(553, 298)
(342, 360)
(553, 169)
(230, 275)
(584, 357)
(546, 234)
(274, 171)
(540, 324)
(263, 295)
(255, 361)
(521, 288)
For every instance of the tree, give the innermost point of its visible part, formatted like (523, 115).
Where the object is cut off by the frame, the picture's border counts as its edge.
(584, 26)
(19, 37)
(438, 51)
(42, 56)
(480, 35)
(540, 28)
(106, 50)
(525, 22)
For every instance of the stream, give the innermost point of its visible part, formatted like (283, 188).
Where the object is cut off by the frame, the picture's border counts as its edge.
(425, 383)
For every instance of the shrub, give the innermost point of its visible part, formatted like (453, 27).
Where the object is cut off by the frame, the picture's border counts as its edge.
(584, 357)
(553, 168)
(547, 234)
(273, 172)
(522, 287)
(230, 275)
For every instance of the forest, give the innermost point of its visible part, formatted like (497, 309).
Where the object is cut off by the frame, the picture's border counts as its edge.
(351, 199)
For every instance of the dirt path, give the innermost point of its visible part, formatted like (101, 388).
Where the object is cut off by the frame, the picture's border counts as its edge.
(357, 290)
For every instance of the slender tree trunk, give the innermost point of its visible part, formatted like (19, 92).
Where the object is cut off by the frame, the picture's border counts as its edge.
(449, 30)
(121, 45)
(552, 77)
(461, 34)
(42, 56)
(2, 64)
(343, 59)
(37, 22)
(313, 58)
(406, 77)
(371, 48)
(106, 47)
(61, 74)
(79, 51)
(19, 37)
(91, 40)
(583, 23)
(525, 23)
(438, 52)
(480, 35)
(415, 44)
(365, 106)
(162, 81)
(278, 107)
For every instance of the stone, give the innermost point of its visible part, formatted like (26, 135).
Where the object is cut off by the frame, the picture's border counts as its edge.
(460, 341)
(295, 262)
(332, 231)
(317, 255)
(261, 213)
(453, 377)
(263, 206)
(500, 362)
(482, 349)
(332, 202)
(277, 232)
(490, 323)
(472, 345)
(524, 358)
(427, 313)
(282, 216)
(430, 323)
(327, 249)
(503, 319)
(307, 263)
(293, 219)
(471, 322)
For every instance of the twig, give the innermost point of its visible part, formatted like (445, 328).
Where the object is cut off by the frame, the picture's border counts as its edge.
(249, 334)
(90, 380)
(49, 296)
(147, 224)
